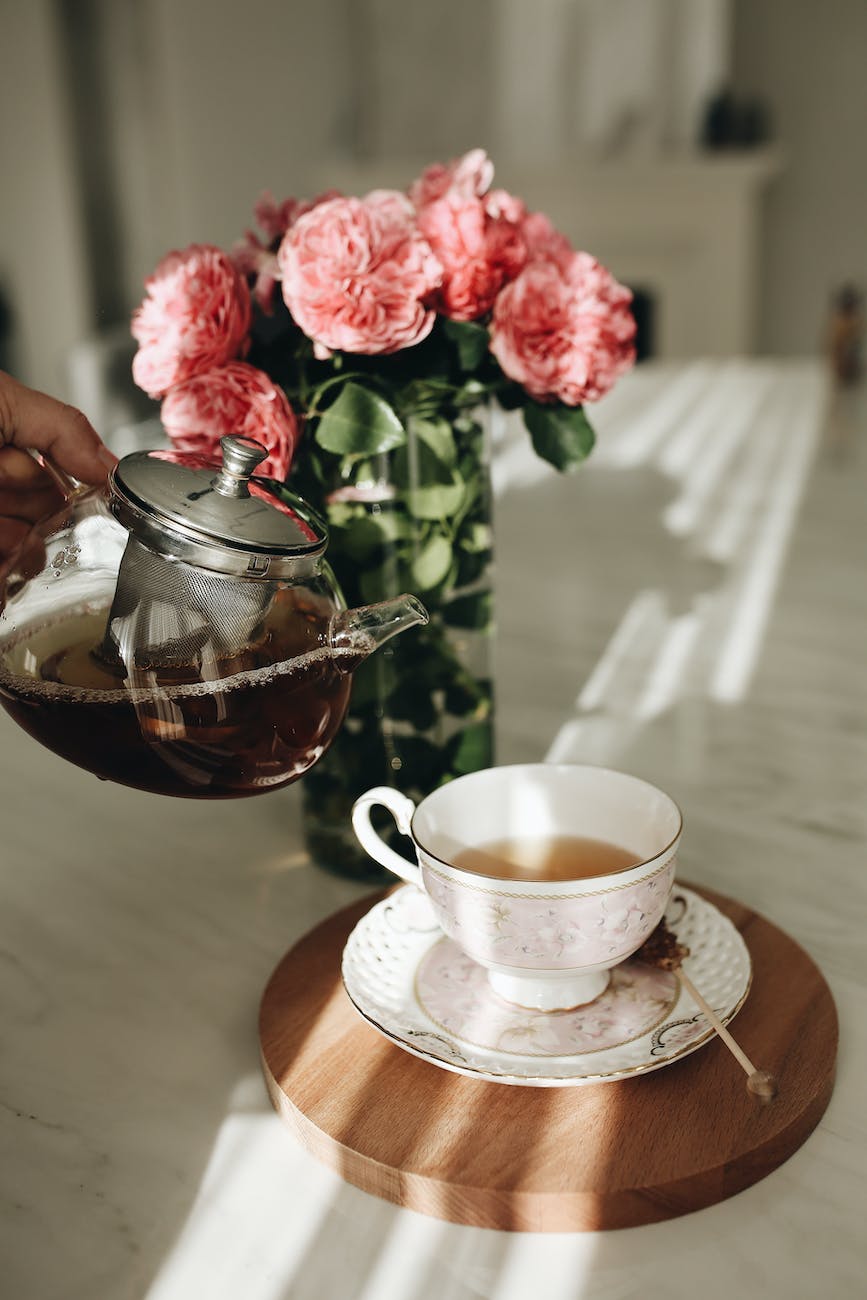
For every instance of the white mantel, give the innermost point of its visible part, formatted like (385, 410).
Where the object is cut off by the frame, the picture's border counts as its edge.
(686, 229)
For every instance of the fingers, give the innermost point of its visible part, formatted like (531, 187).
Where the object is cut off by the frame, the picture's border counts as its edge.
(27, 494)
(12, 534)
(32, 419)
(27, 491)
(21, 550)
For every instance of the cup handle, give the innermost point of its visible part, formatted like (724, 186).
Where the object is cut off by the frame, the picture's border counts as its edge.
(401, 809)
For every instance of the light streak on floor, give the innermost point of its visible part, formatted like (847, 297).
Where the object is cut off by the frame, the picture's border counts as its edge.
(249, 1164)
(743, 510)
(669, 670)
(646, 610)
(725, 533)
(685, 513)
(631, 444)
(713, 414)
(742, 646)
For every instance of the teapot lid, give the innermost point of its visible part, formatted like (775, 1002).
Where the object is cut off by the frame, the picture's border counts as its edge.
(228, 521)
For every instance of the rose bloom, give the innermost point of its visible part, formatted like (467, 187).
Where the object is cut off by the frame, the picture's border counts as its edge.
(358, 275)
(564, 334)
(468, 177)
(479, 253)
(235, 399)
(257, 261)
(545, 242)
(276, 218)
(196, 315)
(502, 204)
(541, 237)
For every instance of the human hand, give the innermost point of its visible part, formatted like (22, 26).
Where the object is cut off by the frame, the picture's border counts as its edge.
(30, 420)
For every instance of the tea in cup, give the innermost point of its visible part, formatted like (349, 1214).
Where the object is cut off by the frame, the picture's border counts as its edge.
(545, 874)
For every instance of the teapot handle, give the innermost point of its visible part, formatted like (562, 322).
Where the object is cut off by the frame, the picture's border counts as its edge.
(401, 809)
(26, 558)
(71, 487)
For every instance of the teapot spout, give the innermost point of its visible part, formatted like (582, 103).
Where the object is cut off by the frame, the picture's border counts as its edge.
(356, 633)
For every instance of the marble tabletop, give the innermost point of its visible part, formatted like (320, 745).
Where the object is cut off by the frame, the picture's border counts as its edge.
(691, 607)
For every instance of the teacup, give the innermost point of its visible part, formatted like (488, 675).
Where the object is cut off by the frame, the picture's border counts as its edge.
(546, 944)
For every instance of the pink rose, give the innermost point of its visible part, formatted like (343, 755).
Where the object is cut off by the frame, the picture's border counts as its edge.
(358, 276)
(196, 315)
(276, 218)
(257, 261)
(468, 177)
(479, 253)
(545, 242)
(233, 399)
(500, 203)
(564, 334)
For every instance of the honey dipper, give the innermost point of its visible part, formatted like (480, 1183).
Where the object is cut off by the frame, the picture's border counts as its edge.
(661, 949)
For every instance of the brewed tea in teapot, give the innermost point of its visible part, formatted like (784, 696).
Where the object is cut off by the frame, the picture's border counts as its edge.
(184, 633)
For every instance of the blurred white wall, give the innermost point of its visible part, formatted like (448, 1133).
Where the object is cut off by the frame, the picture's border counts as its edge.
(135, 126)
(43, 270)
(207, 104)
(810, 61)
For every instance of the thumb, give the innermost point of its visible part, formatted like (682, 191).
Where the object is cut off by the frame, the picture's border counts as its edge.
(34, 421)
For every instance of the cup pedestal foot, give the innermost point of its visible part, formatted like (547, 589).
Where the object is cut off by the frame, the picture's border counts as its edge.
(545, 994)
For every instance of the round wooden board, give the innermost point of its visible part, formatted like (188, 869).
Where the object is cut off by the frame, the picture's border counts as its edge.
(608, 1155)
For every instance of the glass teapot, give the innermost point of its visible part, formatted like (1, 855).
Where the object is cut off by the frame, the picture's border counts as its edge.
(180, 631)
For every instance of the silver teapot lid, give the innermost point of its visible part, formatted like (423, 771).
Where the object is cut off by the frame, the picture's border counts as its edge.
(229, 521)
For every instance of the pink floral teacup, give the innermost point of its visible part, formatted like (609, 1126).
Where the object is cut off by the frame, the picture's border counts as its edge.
(548, 944)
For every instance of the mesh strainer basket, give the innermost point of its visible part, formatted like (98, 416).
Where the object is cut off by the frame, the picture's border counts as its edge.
(205, 556)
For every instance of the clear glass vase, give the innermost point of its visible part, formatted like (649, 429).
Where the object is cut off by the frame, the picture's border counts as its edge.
(417, 519)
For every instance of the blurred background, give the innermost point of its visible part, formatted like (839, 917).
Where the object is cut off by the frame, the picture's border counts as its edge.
(711, 152)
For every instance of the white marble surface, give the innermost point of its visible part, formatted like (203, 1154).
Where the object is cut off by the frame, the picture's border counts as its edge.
(691, 607)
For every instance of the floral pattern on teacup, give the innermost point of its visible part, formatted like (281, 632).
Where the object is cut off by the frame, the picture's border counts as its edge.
(456, 995)
(560, 933)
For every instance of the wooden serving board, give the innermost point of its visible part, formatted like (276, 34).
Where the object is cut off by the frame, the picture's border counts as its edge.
(609, 1155)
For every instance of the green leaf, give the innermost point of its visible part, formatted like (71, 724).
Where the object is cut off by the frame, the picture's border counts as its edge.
(420, 762)
(471, 341)
(342, 513)
(359, 423)
(432, 563)
(471, 566)
(423, 397)
(428, 662)
(440, 501)
(472, 748)
(470, 611)
(408, 704)
(477, 537)
(416, 465)
(359, 538)
(561, 434)
(438, 437)
(472, 393)
(468, 695)
(381, 582)
(373, 681)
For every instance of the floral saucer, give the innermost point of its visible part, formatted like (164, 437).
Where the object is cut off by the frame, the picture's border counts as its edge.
(418, 989)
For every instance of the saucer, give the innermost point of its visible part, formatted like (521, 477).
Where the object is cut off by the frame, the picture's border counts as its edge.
(416, 987)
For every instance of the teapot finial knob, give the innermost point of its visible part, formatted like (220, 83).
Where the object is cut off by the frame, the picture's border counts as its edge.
(240, 458)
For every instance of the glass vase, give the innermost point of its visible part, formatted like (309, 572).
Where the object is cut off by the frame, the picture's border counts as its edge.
(417, 519)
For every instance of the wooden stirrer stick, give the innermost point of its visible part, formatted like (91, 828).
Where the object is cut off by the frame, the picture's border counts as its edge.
(662, 949)
(760, 1082)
